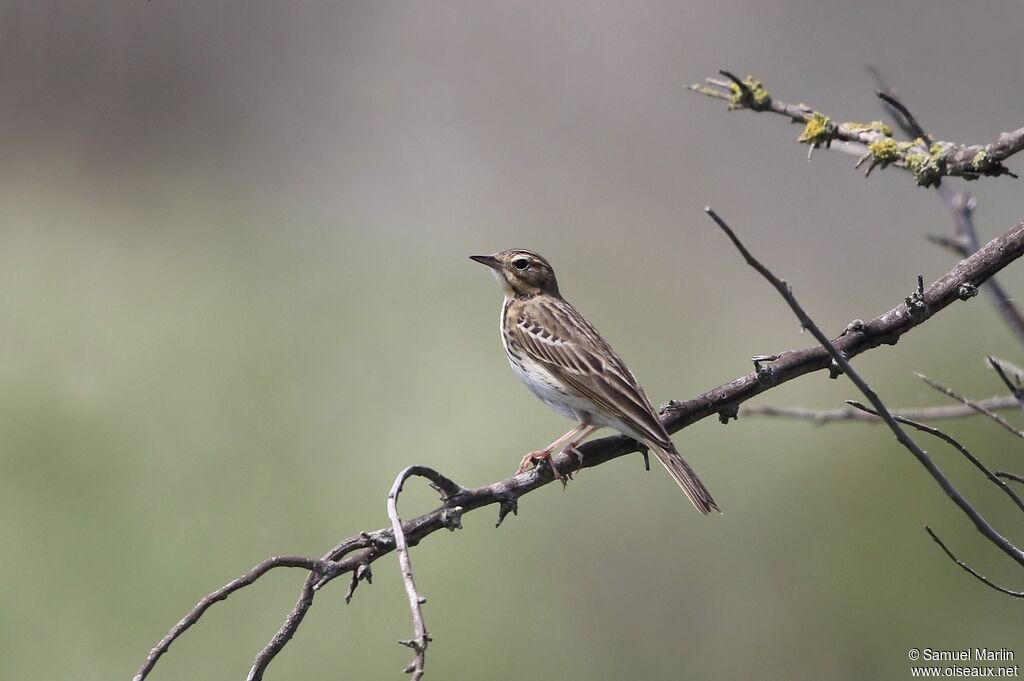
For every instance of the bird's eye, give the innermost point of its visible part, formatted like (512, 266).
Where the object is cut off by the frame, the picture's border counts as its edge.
(521, 263)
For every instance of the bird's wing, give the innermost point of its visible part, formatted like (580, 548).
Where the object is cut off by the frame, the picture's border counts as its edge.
(557, 336)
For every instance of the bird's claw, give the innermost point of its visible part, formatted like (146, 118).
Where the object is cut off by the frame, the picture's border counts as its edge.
(531, 459)
(528, 461)
(579, 459)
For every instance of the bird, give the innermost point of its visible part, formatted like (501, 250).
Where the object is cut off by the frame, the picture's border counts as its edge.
(566, 363)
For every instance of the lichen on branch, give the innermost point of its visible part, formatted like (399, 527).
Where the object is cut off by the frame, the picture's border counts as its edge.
(927, 160)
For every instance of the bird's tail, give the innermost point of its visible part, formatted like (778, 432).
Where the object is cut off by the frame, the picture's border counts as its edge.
(684, 476)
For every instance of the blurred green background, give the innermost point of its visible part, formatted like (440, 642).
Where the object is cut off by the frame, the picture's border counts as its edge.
(235, 302)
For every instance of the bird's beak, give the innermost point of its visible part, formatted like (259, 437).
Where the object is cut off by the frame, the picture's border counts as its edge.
(488, 260)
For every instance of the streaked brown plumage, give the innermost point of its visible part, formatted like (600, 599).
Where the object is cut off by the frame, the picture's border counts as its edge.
(565, 362)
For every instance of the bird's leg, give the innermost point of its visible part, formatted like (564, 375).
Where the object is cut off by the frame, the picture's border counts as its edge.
(557, 445)
(571, 447)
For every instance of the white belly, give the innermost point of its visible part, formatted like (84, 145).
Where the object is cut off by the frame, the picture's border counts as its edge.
(542, 384)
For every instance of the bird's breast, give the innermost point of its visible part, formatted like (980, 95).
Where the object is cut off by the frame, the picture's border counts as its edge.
(543, 384)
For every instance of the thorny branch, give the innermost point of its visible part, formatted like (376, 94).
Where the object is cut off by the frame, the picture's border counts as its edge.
(929, 161)
(422, 638)
(354, 555)
(841, 359)
(370, 545)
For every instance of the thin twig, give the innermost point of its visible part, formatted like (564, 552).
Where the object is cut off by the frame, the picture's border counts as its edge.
(945, 390)
(359, 551)
(328, 567)
(422, 638)
(1011, 375)
(839, 358)
(848, 413)
(907, 120)
(953, 442)
(1010, 476)
(972, 571)
(907, 123)
(220, 594)
(285, 633)
(961, 207)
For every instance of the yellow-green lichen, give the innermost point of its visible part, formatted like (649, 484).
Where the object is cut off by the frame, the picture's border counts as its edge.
(884, 151)
(818, 130)
(916, 142)
(928, 168)
(753, 96)
(916, 162)
(879, 126)
(873, 126)
(979, 160)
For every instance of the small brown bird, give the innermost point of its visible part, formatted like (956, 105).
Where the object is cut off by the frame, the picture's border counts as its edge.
(563, 360)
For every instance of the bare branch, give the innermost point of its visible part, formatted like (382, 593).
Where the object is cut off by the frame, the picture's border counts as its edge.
(422, 639)
(971, 403)
(907, 121)
(969, 569)
(928, 161)
(892, 105)
(1011, 375)
(220, 594)
(961, 207)
(1010, 476)
(848, 413)
(840, 358)
(285, 633)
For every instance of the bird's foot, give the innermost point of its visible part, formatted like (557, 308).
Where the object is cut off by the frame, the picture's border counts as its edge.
(528, 460)
(579, 459)
(531, 459)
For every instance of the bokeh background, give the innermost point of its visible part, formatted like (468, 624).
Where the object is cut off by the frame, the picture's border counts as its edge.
(235, 302)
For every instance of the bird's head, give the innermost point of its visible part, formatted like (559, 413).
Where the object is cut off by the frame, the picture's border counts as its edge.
(521, 273)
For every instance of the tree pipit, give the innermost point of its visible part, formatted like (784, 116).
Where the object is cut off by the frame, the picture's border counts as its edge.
(563, 360)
